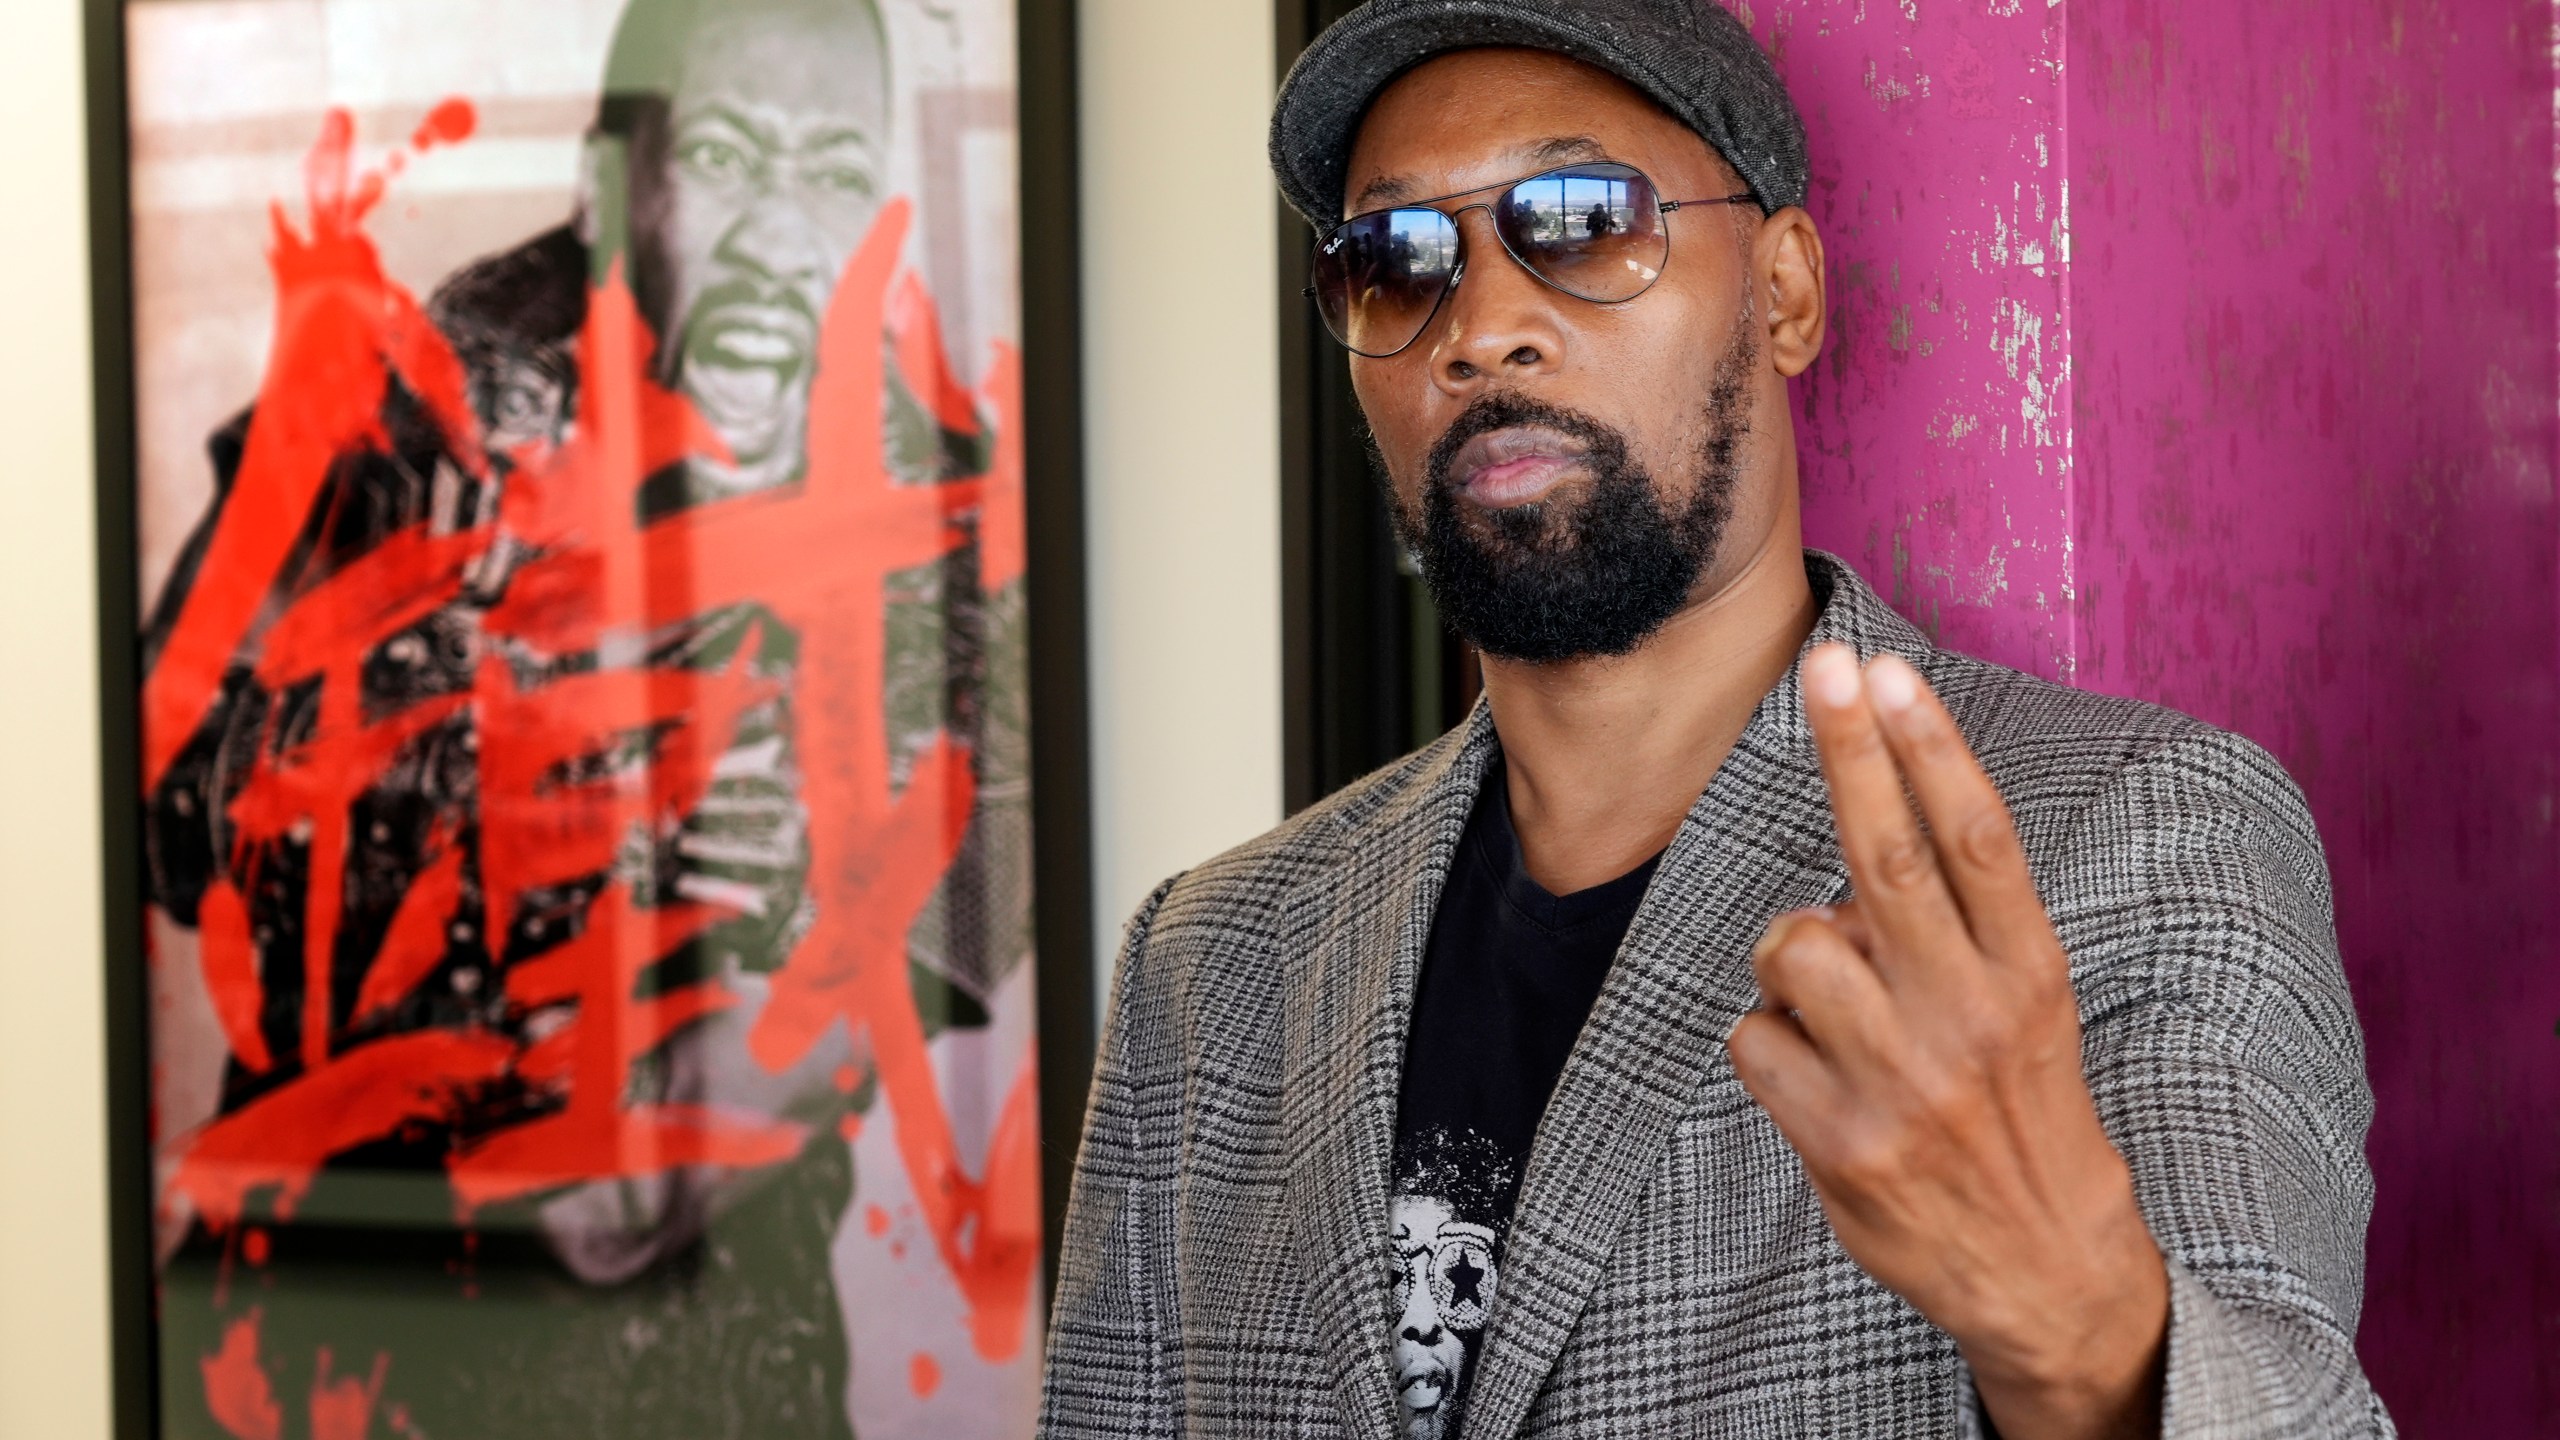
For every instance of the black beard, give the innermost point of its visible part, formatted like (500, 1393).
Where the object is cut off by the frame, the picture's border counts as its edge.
(1599, 578)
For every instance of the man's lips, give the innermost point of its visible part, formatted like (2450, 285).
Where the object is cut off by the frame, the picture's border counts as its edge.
(1513, 466)
(769, 336)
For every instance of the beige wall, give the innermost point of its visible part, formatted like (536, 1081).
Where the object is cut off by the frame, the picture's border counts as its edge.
(1181, 467)
(53, 1320)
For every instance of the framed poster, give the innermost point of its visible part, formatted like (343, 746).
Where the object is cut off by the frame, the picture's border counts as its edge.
(581, 843)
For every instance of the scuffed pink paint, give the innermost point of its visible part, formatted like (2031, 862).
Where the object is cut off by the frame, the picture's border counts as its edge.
(1935, 431)
(2296, 368)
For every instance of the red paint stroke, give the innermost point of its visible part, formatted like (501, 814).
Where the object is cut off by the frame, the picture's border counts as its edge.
(343, 330)
(924, 1375)
(915, 331)
(278, 1141)
(228, 955)
(597, 1136)
(315, 785)
(415, 944)
(875, 1221)
(450, 123)
(538, 829)
(342, 1409)
(236, 1388)
(254, 1246)
(820, 559)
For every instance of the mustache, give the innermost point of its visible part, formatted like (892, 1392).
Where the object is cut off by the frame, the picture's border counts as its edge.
(1502, 410)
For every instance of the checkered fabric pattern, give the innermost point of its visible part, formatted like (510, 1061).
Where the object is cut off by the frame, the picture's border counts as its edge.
(1668, 1269)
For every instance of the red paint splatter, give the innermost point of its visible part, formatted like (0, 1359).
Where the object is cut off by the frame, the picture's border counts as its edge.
(875, 1220)
(343, 330)
(924, 1375)
(254, 1246)
(848, 1079)
(236, 1388)
(818, 557)
(450, 123)
(342, 1409)
(850, 1127)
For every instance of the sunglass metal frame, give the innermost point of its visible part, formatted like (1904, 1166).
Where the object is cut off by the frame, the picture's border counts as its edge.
(1458, 269)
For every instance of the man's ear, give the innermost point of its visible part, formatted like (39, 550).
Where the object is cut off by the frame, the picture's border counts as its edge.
(1787, 258)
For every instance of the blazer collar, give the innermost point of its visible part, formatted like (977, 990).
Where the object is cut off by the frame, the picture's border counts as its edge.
(1353, 938)
(1758, 841)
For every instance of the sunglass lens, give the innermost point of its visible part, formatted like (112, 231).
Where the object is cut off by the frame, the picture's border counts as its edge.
(1379, 277)
(1589, 230)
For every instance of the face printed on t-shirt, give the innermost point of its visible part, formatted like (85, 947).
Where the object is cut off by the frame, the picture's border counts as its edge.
(1444, 1283)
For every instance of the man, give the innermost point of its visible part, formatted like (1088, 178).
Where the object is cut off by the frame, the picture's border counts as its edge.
(1865, 1040)
(738, 159)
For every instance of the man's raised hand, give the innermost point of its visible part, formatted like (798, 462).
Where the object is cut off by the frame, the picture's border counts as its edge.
(1919, 1047)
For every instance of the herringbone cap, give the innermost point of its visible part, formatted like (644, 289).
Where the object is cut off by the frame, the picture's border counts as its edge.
(1692, 56)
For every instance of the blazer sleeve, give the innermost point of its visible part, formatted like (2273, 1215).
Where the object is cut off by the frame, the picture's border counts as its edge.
(2225, 1059)
(1108, 1370)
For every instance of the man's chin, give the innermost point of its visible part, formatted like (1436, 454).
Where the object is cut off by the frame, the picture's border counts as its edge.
(1425, 1396)
(757, 440)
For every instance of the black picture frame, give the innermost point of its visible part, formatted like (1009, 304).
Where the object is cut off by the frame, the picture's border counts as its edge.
(133, 1333)
(1062, 862)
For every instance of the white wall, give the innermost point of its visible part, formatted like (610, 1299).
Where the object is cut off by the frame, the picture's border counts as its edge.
(53, 1235)
(1182, 451)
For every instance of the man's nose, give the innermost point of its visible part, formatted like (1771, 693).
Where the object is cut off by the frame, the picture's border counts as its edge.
(1501, 323)
(775, 236)
(1420, 1313)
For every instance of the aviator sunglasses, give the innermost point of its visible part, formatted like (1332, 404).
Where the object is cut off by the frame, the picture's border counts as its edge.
(1593, 231)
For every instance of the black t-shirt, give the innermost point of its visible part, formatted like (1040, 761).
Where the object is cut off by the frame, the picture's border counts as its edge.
(1509, 977)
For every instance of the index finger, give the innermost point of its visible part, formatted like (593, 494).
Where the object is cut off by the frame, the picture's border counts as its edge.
(1891, 865)
(1975, 840)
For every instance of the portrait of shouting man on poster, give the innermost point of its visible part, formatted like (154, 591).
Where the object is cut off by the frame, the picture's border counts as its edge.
(1754, 1020)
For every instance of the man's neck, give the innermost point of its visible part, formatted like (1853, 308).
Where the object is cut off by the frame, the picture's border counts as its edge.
(1606, 756)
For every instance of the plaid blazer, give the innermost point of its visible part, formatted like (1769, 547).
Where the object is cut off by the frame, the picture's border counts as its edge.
(1668, 1270)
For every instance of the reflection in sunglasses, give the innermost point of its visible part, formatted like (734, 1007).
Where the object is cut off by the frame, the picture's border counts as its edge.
(1592, 231)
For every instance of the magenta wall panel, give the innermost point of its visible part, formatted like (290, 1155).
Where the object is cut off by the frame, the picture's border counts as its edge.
(2313, 313)
(1936, 429)
(2262, 427)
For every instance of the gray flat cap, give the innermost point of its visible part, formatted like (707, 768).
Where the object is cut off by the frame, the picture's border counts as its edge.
(1692, 56)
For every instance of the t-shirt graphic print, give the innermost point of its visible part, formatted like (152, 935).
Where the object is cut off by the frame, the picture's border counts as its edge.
(1453, 1194)
(1507, 980)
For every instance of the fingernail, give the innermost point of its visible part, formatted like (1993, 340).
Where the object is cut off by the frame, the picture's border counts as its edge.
(1832, 676)
(1895, 684)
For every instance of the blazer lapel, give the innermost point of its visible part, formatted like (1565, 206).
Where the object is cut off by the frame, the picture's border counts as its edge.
(1354, 938)
(1759, 841)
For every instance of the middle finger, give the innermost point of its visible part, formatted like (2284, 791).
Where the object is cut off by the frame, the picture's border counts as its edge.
(1892, 866)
